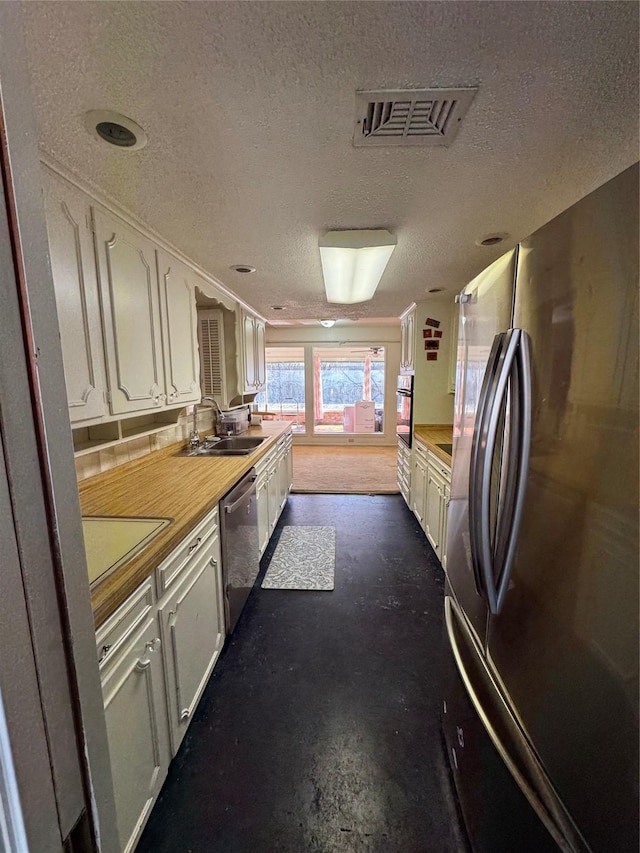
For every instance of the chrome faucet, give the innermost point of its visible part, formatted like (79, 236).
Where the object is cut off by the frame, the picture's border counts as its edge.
(194, 438)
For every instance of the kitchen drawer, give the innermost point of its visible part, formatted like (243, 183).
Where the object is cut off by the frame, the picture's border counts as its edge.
(265, 461)
(123, 624)
(420, 451)
(169, 571)
(438, 465)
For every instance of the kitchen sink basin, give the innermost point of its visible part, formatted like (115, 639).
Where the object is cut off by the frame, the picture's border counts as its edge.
(236, 445)
(448, 448)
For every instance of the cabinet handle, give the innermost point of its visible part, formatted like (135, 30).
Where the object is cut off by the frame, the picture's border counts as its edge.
(193, 547)
(153, 645)
(214, 562)
(104, 651)
(141, 665)
(185, 714)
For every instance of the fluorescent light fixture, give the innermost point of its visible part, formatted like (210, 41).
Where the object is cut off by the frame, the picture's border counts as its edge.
(353, 263)
(327, 323)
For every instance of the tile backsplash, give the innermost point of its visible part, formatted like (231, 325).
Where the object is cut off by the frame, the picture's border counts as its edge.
(90, 464)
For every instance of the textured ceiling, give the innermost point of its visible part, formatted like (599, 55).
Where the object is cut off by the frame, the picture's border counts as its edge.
(249, 110)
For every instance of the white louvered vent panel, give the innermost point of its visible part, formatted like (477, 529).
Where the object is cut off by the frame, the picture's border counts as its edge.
(410, 116)
(211, 340)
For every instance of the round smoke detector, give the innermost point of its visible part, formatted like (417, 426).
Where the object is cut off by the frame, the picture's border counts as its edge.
(115, 129)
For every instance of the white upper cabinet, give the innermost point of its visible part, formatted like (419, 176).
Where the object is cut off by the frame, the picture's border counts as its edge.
(76, 290)
(249, 352)
(261, 356)
(129, 291)
(253, 353)
(407, 342)
(179, 329)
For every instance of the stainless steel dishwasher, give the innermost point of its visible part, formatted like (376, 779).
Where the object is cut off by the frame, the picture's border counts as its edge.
(240, 547)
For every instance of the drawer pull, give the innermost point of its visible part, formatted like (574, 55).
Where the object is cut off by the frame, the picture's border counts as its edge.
(193, 547)
(185, 714)
(142, 665)
(104, 651)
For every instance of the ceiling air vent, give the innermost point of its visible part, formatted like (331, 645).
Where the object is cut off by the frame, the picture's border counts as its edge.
(410, 116)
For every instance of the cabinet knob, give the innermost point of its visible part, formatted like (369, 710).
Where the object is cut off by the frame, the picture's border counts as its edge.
(153, 645)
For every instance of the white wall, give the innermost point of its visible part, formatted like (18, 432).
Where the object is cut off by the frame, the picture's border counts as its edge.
(310, 336)
(433, 403)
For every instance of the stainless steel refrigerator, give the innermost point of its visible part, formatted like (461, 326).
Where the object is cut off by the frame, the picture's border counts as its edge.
(541, 609)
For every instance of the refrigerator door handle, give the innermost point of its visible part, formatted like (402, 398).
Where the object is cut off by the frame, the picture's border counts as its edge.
(494, 406)
(566, 843)
(478, 457)
(521, 437)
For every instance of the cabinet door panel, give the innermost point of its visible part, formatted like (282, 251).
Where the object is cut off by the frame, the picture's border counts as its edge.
(76, 291)
(273, 493)
(193, 635)
(181, 360)
(262, 500)
(261, 365)
(433, 512)
(129, 291)
(418, 491)
(135, 713)
(249, 342)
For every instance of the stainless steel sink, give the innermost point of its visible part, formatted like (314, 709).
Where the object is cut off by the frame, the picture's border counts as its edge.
(237, 445)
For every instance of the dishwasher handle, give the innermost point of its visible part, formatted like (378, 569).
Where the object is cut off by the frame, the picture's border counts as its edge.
(229, 508)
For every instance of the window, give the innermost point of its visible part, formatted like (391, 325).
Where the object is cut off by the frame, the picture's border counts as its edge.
(348, 389)
(284, 392)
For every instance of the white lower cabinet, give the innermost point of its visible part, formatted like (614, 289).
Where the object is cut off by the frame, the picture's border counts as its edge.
(404, 471)
(135, 711)
(262, 500)
(192, 631)
(430, 491)
(437, 504)
(155, 659)
(274, 472)
(273, 493)
(419, 483)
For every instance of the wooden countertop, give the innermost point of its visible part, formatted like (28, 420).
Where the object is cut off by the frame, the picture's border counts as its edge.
(163, 484)
(434, 434)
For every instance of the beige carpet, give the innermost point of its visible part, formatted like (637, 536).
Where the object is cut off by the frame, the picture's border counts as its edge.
(345, 470)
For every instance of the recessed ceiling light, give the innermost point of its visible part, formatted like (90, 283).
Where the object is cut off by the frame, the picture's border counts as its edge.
(278, 307)
(491, 239)
(327, 323)
(244, 268)
(115, 129)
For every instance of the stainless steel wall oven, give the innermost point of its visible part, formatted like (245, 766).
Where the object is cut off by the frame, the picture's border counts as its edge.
(404, 408)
